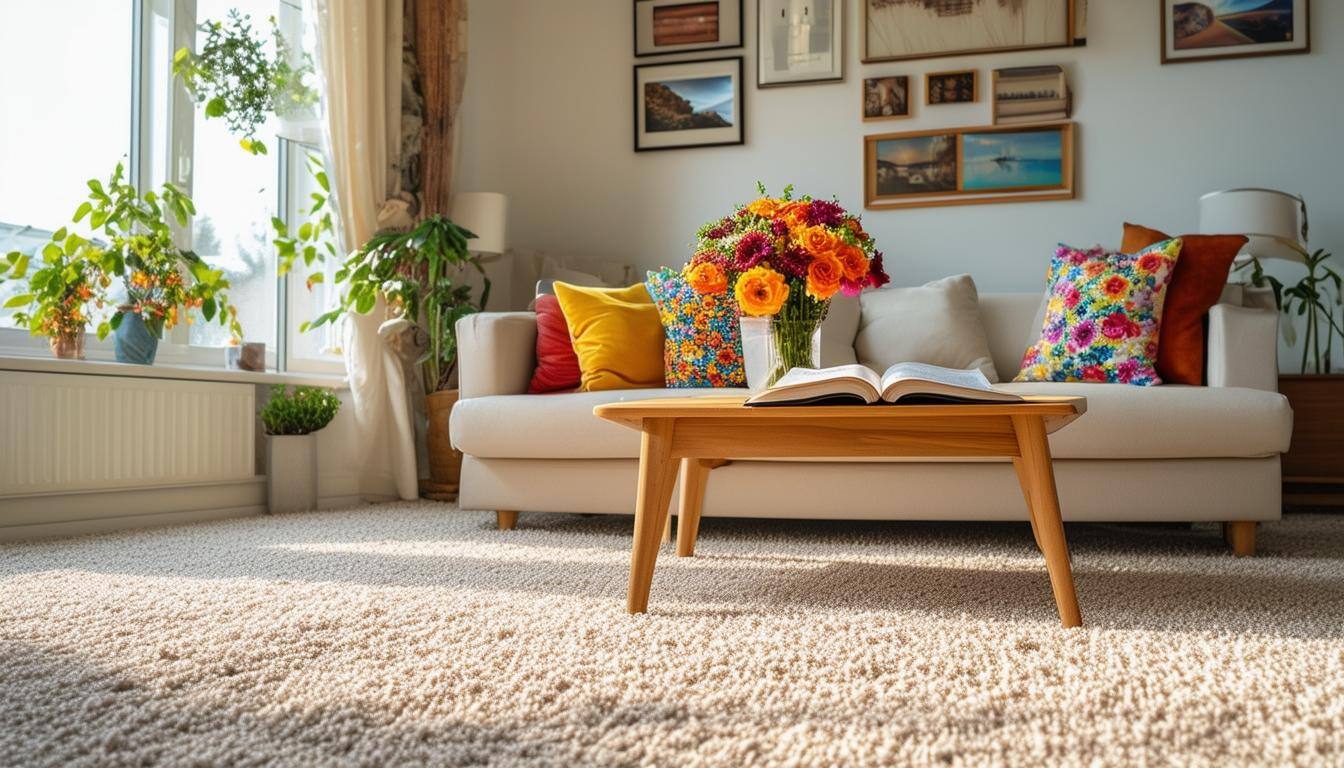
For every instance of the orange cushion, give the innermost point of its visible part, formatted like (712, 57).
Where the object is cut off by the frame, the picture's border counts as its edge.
(617, 335)
(1201, 273)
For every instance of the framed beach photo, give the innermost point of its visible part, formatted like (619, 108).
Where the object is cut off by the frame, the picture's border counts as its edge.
(682, 26)
(689, 104)
(895, 30)
(799, 41)
(886, 98)
(960, 87)
(968, 166)
(1233, 29)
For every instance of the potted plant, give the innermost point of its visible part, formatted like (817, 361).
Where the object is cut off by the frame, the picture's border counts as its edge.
(61, 292)
(291, 421)
(163, 282)
(421, 273)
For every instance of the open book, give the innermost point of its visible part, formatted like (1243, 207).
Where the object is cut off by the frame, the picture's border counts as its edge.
(910, 383)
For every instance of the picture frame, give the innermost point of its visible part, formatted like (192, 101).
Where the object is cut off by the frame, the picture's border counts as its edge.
(1199, 32)
(969, 166)
(799, 42)
(685, 104)
(1021, 95)
(663, 27)
(901, 30)
(886, 98)
(961, 86)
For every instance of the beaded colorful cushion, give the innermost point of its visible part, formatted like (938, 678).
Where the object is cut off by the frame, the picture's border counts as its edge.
(702, 340)
(1103, 316)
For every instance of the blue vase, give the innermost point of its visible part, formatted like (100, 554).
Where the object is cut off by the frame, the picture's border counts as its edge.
(134, 343)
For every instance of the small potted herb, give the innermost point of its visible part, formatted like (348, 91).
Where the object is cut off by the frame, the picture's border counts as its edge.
(291, 419)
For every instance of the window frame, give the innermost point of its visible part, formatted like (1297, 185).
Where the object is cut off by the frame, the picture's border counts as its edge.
(175, 348)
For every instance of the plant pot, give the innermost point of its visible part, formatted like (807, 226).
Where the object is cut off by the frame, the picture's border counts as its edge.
(133, 341)
(445, 463)
(69, 347)
(770, 347)
(291, 473)
(1313, 467)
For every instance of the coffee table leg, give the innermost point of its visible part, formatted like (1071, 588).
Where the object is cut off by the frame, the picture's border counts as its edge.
(657, 475)
(1024, 481)
(1038, 474)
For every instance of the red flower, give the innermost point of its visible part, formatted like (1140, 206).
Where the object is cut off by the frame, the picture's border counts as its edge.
(1117, 325)
(752, 249)
(1094, 373)
(877, 276)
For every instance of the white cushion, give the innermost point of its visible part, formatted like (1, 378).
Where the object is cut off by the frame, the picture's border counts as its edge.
(938, 323)
(838, 331)
(1122, 422)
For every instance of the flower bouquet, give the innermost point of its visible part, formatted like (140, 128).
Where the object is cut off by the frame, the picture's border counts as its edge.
(783, 260)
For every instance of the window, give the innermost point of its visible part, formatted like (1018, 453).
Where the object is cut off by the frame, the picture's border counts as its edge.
(121, 102)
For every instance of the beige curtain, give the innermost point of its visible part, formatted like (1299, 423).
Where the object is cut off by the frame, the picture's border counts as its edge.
(360, 59)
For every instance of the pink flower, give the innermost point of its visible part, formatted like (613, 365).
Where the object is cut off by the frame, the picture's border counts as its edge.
(850, 287)
(752, 249)
(1084, 334)
(1127, 370)
(1072, 296)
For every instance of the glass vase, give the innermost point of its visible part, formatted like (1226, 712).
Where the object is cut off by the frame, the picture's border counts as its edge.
(770, 347)
(69, 346)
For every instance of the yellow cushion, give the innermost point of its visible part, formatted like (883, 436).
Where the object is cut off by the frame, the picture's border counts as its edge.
(617, 335)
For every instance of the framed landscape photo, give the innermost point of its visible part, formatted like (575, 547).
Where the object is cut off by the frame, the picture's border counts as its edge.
(959, 87)
(1030, 95)
(894, 30)
(968, 166)
(799, 41)
(682, 26)
(886, 98)
(689, 104)
(1230, 29)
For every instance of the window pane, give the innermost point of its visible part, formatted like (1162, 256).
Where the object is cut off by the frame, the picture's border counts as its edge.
(305, 304)
(67, 91)
(236, 196)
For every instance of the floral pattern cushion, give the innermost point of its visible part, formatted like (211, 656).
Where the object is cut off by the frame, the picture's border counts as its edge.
(1103, 316)
(703, 342)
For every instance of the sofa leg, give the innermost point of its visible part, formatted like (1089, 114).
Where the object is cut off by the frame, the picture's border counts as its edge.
(1240, 536)
(506, 519)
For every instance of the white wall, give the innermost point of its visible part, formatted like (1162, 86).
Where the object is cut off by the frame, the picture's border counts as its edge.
(547, 119)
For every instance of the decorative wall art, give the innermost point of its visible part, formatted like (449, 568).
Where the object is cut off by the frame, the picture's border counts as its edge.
(886, 98)
(966, 166)
(681, 26)
(799, 41)
(951, 87)
(1031, 95)
(893, 30)
(689, 104)
(1232, 29)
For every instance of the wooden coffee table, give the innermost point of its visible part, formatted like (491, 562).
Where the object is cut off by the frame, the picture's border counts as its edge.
(695, 434)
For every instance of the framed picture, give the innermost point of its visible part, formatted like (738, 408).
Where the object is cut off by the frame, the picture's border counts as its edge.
(1031, 95)
(886, 98)
(895, 30)
(1233, 29)
(799, 41)
(951, 87)
(689, 104)
(681, 26)
(968, 166)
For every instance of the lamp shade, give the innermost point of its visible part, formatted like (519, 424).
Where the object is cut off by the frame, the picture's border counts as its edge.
(1273, 222)
(486, 214)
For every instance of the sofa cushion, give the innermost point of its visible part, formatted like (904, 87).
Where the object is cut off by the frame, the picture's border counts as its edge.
(617, 336)
(937, 323)
(1122, 422)
(702, 344)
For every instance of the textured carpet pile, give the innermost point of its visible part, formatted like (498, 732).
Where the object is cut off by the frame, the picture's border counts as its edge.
(418, 634)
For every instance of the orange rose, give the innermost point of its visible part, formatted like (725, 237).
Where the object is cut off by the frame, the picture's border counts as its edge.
(707, 278)
(765, 207)
(761, 291)
(818, 241)
(853, 261)
(823, 277)
(794, 214)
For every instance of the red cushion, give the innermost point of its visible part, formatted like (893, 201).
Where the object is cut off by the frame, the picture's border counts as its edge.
(557, 365)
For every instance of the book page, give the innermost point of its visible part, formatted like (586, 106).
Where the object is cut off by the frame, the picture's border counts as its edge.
(970, 379)
(803, 376)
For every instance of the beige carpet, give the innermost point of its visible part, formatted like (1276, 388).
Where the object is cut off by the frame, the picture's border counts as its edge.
(418, 634)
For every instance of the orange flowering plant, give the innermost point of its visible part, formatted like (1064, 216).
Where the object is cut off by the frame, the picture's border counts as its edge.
(784, 259)
(61, 292)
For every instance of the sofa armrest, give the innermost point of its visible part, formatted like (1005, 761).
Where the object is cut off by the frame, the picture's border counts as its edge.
(1243, 347)
(496, 353)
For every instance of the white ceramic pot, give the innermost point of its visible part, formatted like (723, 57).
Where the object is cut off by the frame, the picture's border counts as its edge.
(291, 473)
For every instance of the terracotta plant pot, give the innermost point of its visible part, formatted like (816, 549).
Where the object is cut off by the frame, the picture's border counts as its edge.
(68, 347)
(445, 464)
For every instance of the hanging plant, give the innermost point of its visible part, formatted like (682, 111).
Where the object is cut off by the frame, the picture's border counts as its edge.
(236, 79)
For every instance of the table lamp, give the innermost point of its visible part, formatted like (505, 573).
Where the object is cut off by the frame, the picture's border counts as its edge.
(485, 214)
(1274, 223)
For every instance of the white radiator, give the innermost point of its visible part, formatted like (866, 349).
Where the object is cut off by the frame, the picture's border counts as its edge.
(63, 432)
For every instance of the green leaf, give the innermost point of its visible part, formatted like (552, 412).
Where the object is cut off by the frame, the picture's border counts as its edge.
(116, 320)
(51, 253)
(19, 267)
(22, 300)
(83, 210)
(208, 309)
(322, 181)
(58, 235)
(366, 301)
(104, 328)
(215, 107)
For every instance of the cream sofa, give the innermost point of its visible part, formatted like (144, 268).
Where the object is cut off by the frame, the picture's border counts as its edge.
(1167, 453)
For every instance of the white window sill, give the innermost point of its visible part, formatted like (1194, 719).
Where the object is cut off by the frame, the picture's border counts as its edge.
(35, 363)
